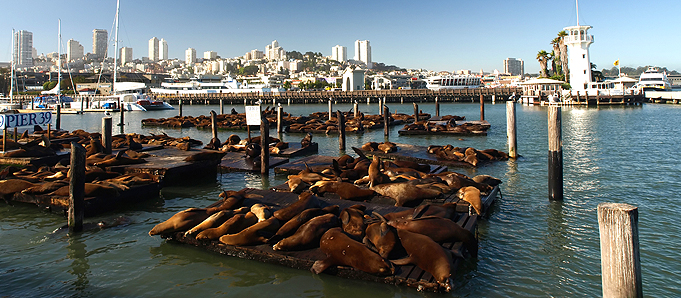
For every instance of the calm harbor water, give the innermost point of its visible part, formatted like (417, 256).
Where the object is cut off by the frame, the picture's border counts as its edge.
(529, 247)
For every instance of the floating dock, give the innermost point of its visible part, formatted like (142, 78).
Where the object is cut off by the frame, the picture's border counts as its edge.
(237, 162)
(484, 123)
(416, 154)
(408, 275)
(295, 149)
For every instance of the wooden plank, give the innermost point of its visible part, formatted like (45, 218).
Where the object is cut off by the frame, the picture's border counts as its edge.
(295, 149)
(237, 162)
(316, 162)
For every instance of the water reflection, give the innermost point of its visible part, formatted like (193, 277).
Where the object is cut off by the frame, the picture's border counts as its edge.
(79, 267)
(556, 241)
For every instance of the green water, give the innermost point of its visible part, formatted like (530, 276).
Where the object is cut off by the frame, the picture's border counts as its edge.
(529, 247)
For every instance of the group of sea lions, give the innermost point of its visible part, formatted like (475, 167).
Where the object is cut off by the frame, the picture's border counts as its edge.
(449, 126)
(367, 241)
(467, 154)
(320, 122)
(233, 120)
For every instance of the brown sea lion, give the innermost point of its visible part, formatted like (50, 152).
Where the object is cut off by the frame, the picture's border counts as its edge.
(405, 192)
(471, 195)
(306, 200)
(11, 186)
(375, 175)
(352, 221)
(235, 224)
(119, 160)
(440, 230)
(253, 235)
(308, 234)
(296, 184)
(91, 190)
(340, 249)
(181, 221)
(263, 212)
(306, 141)
(347, 191)
(487, 179)
(215, 220)
(291, 226)
(44, 187)
(381, 236)
(457, 181)
(427, 255)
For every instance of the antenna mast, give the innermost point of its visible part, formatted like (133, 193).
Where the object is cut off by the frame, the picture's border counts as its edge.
(113, 84)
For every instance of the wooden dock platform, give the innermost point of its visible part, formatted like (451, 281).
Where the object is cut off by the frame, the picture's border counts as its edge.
(295, 149)
(416, 154)
(36, 161)
(407, 275)
(315, 162)
(237, 162)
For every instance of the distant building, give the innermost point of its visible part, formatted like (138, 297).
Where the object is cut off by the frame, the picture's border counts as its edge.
(125, 55)
(74, 50)
(190, 56)
(578, 41)
(153, 49)
(274, 51)
(208, 55)
(363, 52)
(514, 67)
(163, 49)
(23, 49)
(353, 79)
(100, 40)
(339, 53)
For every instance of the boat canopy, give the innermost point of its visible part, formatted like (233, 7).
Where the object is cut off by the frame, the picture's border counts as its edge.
(128, 86)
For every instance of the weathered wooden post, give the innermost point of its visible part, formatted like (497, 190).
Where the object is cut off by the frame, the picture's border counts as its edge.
(437, 107)
(4, 139)
(16, 133)
(49, 131)
(416, 112)
(222, 107)
(341, 130)
(511, 129)
(265, 144)
(355, 106)
(386, 121)
(58, 110)
(76, 188)
(330, 108)
(214, 124)
(555, 154)
(280, 119)
(361, 119)
(620, 257)
(380, 106)
(482, 108)
(180, 106)
(82, 104)
(122, 110)
(107, 126)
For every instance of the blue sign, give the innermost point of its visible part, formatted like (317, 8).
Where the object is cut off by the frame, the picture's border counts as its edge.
(25, 119)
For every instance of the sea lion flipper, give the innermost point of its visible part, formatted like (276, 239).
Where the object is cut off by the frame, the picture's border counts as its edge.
(403, 261)
(321, 265)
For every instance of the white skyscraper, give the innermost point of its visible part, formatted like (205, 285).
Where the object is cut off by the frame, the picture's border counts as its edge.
(339, 53)
(163, 49)
(125, 55)
(274, 51)
(210, 55)
(153, 49)
(74, 50)
(190, 56)
(23, 49)
(363, 52)
(100, 39)
(514, 67)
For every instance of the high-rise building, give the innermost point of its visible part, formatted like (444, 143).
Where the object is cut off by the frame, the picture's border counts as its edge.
(125, 55)
(153, 49)
(23, 49)
(100, 40)
(190, 56)
(363, 52)
(339, 53)
(514, 67)
(163, 49)
(208, 55)
(274, 51)
(74, 50)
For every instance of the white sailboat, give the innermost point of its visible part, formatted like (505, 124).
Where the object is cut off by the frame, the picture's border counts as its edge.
(5, 104)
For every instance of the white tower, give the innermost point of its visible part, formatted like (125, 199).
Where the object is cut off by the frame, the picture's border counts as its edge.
(153, 49)
(578, 41)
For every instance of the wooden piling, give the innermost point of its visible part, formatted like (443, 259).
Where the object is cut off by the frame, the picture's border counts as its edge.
(355, 106)
(58, 110)
(122, 110)
(4, 139)
(49, 131)
(511, 129)
(264, 143)
(16, 134)
(555, 154)
(214, 124)
(482, 108)
(620, 257)
(437, 107)
(341, 130)
(76, 188)
(386, 121)
(280, 119)
(180, 106)
(416, 112)
(222, 107)
(330, 108)
(107, 126)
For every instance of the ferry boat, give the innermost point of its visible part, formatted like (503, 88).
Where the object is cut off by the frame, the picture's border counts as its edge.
(452, 82)
(194, 86)
(653, 80)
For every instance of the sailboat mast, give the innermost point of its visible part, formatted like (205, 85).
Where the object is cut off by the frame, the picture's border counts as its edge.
(113, 84)
(11, 76)
(59, 63)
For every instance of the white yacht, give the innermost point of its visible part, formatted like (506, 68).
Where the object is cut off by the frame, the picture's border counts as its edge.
(452, 82)
(195, 86)
(654, 80)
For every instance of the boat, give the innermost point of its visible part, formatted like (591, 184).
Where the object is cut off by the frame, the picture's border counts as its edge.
(653, 79)
(7, 104)
(196, 86)
(452, 82)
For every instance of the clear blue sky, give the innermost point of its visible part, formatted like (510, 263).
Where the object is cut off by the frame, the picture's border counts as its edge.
(436, 35)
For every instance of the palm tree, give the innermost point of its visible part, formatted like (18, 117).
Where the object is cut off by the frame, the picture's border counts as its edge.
(556, 56)
(543, 58)
(563, 54)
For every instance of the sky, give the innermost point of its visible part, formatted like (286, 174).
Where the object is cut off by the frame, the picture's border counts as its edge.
(434, 35)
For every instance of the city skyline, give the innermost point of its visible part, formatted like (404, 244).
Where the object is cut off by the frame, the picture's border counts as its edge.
(441, 35)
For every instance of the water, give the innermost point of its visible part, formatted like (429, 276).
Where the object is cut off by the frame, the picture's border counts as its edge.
(529, 247)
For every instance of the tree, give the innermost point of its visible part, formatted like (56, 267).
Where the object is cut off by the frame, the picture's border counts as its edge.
(287, 85)
(294, 55)
(543, 58)
(563, 54)
(555, 64)
(596, 76)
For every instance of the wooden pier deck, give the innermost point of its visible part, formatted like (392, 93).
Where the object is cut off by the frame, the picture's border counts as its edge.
(296, 149)
(237, 162)
(407, 275)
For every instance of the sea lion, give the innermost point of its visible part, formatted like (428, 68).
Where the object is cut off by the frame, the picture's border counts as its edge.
(255, 234)
(352, 221)
(375, 175)
(132, 144)
(261, 211)
(291, 226)
(306, 141)
(381, 236)
(471, 195)
(91, 190)
(427, 255)
(440, 230)
(235, 224)
(487, 179)
(214, 144)
(308, 234)
(457, 181)
(181, 221)
(343, 250)
(253, 150)
(215, 220)
(11, 186)
(44, 187)
(347, 191)
(296, 184)
(306, 200)
(119, 160)
(413, 190)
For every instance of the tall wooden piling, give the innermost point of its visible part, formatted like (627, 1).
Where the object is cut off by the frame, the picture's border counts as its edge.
(330, 108)
(214, 124)
(341, 130)
(416, 112)
(555, 154)
(15, 135)
(280, 119)
(511, 129)
(482, 108)
(380, 106)
(122, 110)
(76, 188)
(620, 257)
(265, 145)
(437, 107)
(49, 131)
(4, 139)
(355, 107)
(179, 106)
(107, 126)
(58, 110)
(386, 121)
(222, 107)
